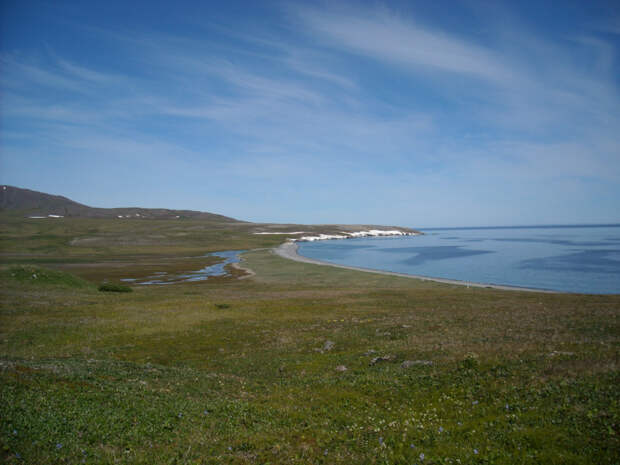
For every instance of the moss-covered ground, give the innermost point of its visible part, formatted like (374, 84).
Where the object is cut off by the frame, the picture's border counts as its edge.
(298, 364)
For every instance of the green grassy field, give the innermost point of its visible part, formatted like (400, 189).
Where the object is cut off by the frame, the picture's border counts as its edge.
(297, 364)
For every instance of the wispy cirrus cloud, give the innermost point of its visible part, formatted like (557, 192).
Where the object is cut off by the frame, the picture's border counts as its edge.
(358, 102)
(386, 37)
(518, 64)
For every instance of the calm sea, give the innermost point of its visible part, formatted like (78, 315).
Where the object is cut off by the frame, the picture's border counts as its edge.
(563, 258)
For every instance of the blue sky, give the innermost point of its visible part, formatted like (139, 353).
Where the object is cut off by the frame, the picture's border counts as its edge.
(403, 113)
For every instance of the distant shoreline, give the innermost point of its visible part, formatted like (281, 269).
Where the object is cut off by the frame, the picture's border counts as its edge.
(540, 226)
(289, 250)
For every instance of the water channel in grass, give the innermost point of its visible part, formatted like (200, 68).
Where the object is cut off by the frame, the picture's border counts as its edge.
(218, 269)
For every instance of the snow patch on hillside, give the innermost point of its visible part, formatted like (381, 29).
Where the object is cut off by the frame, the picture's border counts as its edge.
(296, 232)
(351, 235)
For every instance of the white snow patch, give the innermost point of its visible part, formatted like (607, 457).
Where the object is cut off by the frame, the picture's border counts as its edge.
(55, 216)
(322, 237)
(37, 217)
(350, 235)
(296, 232)
(379, 232)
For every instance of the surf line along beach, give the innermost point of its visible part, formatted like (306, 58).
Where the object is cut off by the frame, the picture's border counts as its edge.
(289, 250)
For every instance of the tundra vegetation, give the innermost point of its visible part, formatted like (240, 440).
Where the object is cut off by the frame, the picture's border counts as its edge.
(296, 364)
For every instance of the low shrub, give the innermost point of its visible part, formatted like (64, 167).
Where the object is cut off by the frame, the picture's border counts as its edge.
(107, 287)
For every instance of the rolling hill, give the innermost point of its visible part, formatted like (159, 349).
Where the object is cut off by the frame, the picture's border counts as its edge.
(38, 204)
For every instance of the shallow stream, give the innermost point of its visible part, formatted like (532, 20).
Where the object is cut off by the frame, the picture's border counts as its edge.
(218, 269)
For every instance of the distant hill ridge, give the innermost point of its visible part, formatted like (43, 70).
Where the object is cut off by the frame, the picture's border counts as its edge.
(33, 203)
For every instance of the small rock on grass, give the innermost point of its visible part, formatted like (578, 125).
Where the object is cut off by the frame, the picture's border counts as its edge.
(412, 363)
(341, 368)
(558, 353)
(329, 345)
(385, 358)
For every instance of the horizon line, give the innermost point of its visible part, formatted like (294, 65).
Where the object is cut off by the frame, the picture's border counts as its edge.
(530, 226)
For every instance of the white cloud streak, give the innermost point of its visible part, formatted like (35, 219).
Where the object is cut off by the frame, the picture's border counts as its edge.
(386, 37)
(535, 114)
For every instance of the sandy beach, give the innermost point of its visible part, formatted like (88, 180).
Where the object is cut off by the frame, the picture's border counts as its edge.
(289, 250)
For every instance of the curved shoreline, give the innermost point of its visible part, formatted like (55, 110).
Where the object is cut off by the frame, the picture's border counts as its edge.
(289, 250)
(248, 272)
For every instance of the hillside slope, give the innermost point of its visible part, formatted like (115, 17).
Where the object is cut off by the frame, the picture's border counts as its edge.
(33, 203)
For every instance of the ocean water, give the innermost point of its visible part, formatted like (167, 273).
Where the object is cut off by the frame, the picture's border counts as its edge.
(584, 259)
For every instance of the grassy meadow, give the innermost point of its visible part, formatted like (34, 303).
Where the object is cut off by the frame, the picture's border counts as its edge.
(296, 364)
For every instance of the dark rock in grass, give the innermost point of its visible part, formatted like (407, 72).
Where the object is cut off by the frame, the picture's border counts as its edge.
(412, 363)
(385, 358)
